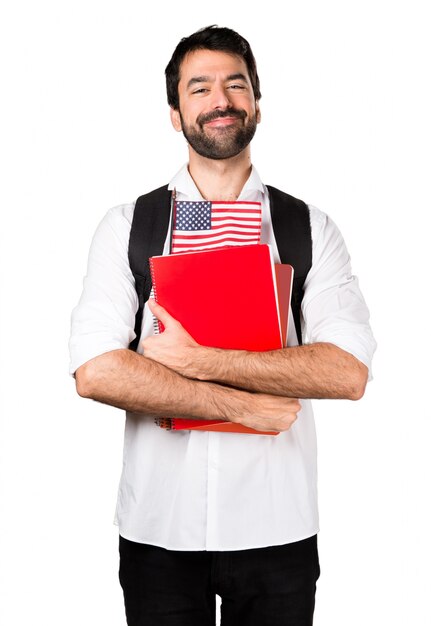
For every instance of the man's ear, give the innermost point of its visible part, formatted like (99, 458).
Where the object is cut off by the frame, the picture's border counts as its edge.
(258, 115)
(175, 119)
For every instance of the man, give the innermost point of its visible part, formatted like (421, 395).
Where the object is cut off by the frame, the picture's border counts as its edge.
(205, 513)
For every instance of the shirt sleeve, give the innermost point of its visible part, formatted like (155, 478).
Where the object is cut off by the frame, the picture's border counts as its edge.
(333, 307)
(104, 318)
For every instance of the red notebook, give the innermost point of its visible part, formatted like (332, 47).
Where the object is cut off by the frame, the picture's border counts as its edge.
(284, 280)
(225, 298)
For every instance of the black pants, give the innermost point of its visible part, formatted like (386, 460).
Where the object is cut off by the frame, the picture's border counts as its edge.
(272, 586)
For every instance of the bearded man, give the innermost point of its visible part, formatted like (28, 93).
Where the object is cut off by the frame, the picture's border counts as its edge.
(204, 513)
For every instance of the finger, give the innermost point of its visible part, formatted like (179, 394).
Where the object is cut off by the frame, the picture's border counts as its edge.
(161, 313)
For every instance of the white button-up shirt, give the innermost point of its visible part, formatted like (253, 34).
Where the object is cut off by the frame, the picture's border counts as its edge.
(194, 490)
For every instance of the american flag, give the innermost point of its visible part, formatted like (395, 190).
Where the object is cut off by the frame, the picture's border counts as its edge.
(201, 225)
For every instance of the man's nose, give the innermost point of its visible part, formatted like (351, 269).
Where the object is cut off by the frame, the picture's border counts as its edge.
(220, 98)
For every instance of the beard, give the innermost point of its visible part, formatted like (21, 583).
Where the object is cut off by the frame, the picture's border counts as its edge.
(227, 141)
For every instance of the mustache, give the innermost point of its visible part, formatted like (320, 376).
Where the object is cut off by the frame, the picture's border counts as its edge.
(213, 115)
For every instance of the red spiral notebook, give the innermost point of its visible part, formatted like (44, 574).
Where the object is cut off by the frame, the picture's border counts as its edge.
(225, 298)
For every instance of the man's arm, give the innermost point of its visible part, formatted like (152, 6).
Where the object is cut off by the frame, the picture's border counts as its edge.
(130, 381)
(320, 370)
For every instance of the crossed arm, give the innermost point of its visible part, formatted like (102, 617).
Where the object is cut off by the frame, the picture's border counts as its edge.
(178, 376)
(319, 370)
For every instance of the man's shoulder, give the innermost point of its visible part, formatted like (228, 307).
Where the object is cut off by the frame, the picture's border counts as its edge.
(114, 227)
(316, 215)
(121, 212)
(318, 218)
(120, 217)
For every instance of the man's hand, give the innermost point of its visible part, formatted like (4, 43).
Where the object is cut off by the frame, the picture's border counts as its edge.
(174, 347)
(265, 412)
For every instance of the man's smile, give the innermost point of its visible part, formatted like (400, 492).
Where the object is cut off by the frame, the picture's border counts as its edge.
(221, 118)
(221, 121)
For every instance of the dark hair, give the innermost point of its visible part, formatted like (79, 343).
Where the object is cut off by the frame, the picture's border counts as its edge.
(209, 38)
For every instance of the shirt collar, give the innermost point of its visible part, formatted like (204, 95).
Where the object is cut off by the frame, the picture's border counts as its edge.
(184, 184)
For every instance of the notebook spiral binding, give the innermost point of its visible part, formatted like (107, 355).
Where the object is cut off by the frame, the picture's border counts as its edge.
(163, 422)
(153, 295)
(156, 324)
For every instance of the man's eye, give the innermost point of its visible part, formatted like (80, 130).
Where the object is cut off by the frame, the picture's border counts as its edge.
(236, 87)
(200, 90)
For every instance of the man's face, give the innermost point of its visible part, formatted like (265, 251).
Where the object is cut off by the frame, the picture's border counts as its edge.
(218, 113)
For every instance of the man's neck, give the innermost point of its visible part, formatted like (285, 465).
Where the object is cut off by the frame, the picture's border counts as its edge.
(220, 180)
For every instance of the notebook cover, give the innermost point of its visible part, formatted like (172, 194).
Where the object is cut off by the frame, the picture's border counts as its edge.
(225, 298)
(284, 280)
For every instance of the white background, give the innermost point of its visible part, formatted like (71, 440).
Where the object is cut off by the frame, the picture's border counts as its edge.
(346, 126)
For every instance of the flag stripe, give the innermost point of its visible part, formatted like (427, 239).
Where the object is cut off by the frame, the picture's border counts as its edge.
(232, 218)
(215, 237)
(217, 230)
(236, 211)
(245, 227)
(238, 204)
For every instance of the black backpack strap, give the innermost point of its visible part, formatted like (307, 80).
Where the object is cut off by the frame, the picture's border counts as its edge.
(147, 237)
(292, 230)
